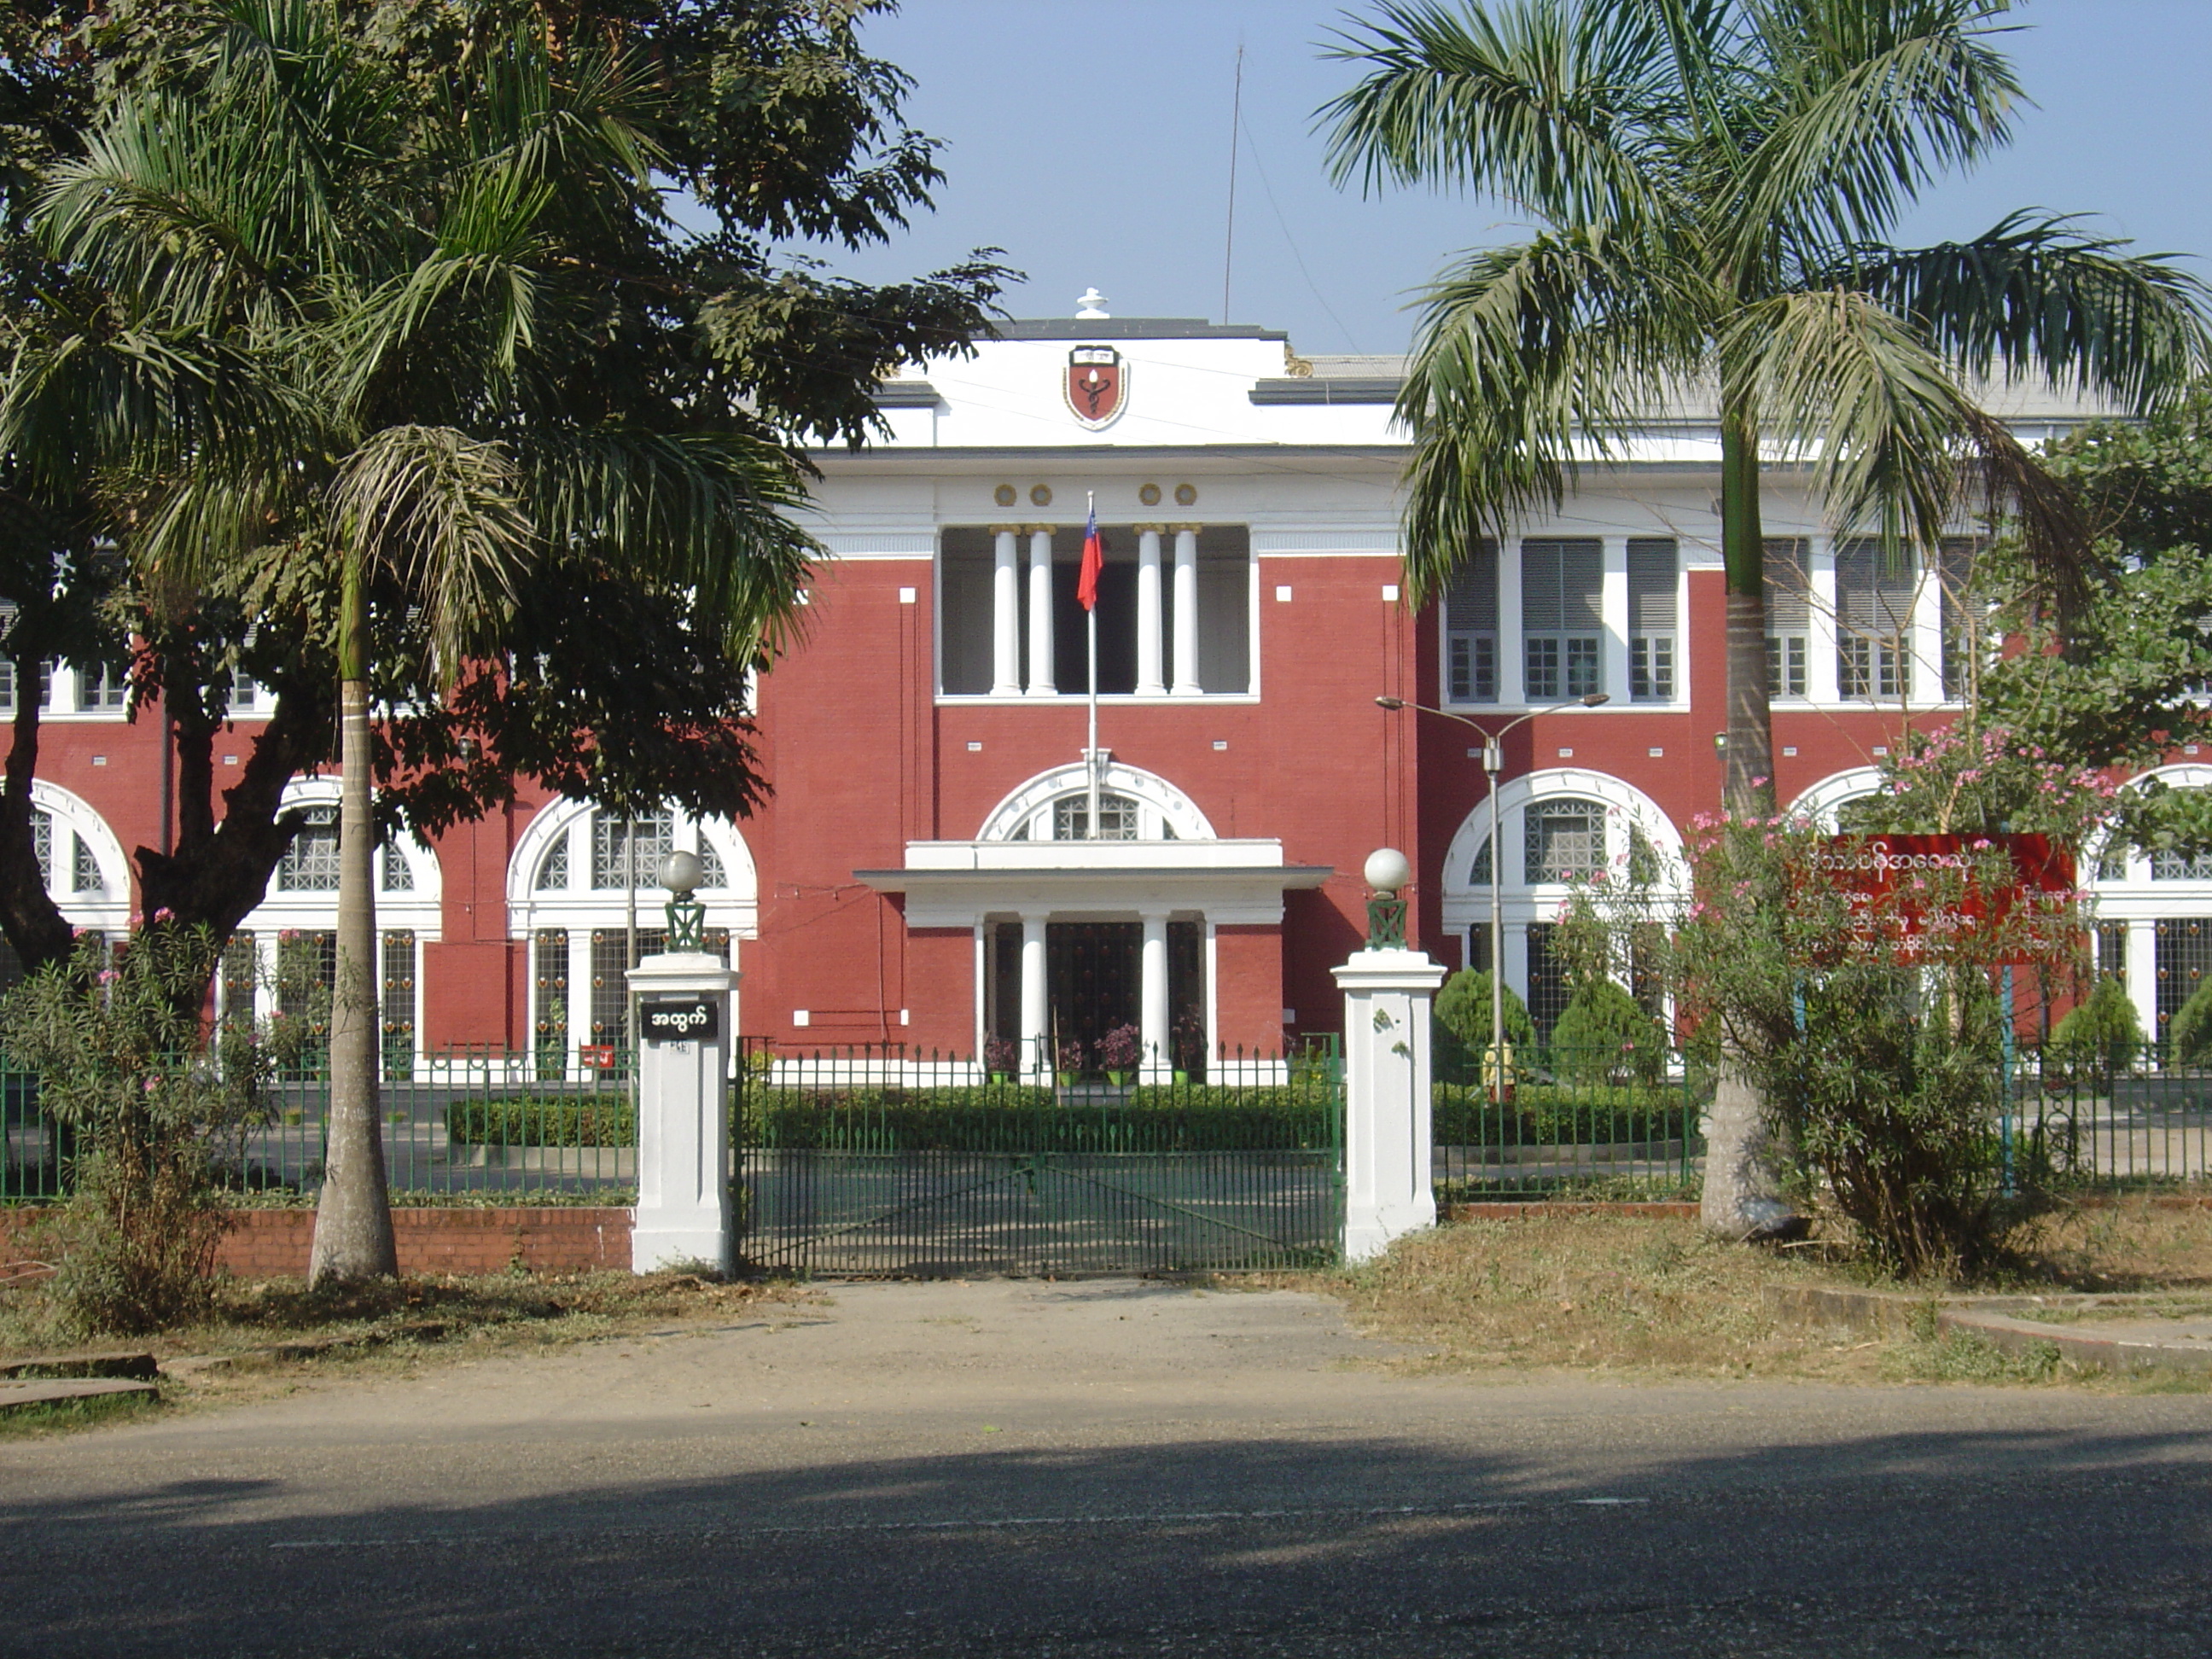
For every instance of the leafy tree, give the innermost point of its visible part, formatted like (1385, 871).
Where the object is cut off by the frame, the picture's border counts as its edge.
(1712, 181)
(448, 361)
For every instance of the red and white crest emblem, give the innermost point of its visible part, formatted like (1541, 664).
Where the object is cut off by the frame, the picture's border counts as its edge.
(1098, 382)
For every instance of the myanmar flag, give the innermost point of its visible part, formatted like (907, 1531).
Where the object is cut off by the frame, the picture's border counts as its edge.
(1094, 561)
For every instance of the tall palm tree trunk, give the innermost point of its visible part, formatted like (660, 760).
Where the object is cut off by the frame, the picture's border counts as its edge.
(1742, 1193)
(353, 1217)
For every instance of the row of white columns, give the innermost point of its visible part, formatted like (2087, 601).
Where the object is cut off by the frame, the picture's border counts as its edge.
(1157, 1064)
(1007, 677)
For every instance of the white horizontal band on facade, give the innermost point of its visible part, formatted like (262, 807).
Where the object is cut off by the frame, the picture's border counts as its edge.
(880, 544)
(1289, 543)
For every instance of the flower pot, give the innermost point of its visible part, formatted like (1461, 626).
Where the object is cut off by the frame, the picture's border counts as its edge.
(1067, 1079)
(1117, 1078)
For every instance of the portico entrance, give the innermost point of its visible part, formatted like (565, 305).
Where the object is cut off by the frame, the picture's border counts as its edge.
(1095, 983)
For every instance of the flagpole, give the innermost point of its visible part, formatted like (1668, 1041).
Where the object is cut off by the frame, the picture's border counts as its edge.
(1091, 756)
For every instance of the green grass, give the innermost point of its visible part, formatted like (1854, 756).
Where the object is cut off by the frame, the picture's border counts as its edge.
(69, 1416)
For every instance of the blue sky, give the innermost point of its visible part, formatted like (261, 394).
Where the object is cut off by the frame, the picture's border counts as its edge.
(1089, 139)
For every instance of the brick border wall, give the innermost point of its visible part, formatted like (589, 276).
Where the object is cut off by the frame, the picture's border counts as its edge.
(274, 1244)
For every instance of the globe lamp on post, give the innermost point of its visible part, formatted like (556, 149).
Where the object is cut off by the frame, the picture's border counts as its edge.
(680, 873)
(1388, 876)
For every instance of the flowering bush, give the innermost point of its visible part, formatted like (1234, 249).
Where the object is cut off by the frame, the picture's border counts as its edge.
(1001, 1056)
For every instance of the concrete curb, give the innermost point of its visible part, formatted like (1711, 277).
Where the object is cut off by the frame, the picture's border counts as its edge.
(1890, 1314)
(13, 1396)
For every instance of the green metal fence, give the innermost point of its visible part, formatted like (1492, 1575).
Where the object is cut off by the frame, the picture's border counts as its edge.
(1567, 1124)
(888, 1160)
(467, 1122)
(2127, 1122)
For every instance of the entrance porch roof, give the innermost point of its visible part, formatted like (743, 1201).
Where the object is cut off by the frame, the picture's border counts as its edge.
(957, 884)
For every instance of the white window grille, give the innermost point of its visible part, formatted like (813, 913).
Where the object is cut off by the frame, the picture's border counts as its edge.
(1117, 817)
(310, 864)
(2166, 865)
(394, 874)
(1562, 617)
(1471, 628)
(712, 877)
(84, 868)
(42, 845)
(1788, 561)
(1873, 619)
(1564, 840)
(611, 849)
(1651, 621)
(553, 868)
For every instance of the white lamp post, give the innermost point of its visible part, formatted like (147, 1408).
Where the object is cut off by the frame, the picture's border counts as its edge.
(1493, 763)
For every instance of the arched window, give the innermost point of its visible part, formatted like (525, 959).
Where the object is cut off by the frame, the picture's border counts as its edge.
(1133, 806)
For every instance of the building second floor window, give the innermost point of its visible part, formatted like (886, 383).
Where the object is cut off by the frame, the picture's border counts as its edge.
(1787, 581)
(1873, 619)
(1471, 628)
(1652, 619)
(101, 686)
(1562, 617)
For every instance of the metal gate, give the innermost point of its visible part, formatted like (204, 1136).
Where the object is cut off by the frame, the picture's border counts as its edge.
(879, 1161)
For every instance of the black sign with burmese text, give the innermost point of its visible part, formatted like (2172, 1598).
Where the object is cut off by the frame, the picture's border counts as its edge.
(681, 1019)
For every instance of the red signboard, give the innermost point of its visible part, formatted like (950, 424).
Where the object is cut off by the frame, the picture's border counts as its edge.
(1930, 897)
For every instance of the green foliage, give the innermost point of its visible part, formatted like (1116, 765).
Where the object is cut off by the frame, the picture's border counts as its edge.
(1544, 1115)
(543, 1120)
(125, 1074)
(1463, 1009)
(1011, 1118)
(2103, 1029)
(2190, 1031)
(1603, 1035)
(1882, 1067)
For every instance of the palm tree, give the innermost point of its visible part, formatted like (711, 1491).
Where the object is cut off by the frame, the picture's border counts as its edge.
(442, 300)
(1712, 182)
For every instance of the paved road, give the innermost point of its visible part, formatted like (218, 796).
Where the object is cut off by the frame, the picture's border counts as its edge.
(1105, 1469)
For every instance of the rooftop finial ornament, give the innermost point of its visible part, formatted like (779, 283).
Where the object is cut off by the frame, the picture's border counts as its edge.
(680, 873)
(1091, 306)
(1387, 875)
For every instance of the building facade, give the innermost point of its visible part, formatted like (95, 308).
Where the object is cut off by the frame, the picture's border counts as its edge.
(928, 872)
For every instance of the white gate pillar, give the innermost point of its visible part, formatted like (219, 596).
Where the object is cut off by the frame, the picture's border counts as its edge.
(684, 1017)
(1389, 1185)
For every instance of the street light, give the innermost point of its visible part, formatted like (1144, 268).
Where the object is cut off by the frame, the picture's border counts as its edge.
(1492, 762)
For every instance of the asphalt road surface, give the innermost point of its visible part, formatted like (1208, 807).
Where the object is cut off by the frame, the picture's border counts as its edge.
(1105, 1469)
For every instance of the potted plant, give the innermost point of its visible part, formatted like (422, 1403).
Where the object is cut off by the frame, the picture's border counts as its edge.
(1070, 1060)
(1001, 1055)
(1119, 1051)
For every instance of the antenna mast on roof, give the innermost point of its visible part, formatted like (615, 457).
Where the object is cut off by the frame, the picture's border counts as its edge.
(1235, 126)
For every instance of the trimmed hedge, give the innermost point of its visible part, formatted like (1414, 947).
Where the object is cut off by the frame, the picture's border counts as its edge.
(1005, 1117)
(542, 1120)
(1544, 1115)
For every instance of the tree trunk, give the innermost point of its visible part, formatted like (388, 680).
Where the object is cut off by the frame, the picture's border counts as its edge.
(353, 1216)
(1742, 1194)
(29, 914)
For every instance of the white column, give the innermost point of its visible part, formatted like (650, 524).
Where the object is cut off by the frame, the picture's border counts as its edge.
(1149, 684)
(1185, 610)
(1512, 655)
(1612, 608)
(685, 1016)
(1035, 1063)
(1822, 684)
(1006, 611)
(2141, 957)
(1152, 999)
(1041, 684)
(1388, 1183)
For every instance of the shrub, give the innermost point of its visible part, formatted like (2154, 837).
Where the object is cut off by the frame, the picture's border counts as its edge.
(1604, 1036)
(2190, 1031)
(124, 1071)
(2103, 1029)
(1010, 1118)
(1461, 1020)
(543, 1120)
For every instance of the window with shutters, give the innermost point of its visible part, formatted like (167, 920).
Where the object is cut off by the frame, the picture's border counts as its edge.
(1471, 629)
(1562, 617)
(1652, 619)
(1873, 619)
(1788, 561)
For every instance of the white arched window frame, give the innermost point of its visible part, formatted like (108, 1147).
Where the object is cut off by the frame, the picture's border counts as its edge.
(88, 876)
(302, 899)
(1630, 815)
(1821, 804)
(550, 892)
(2142, 900)
(1034, 810)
